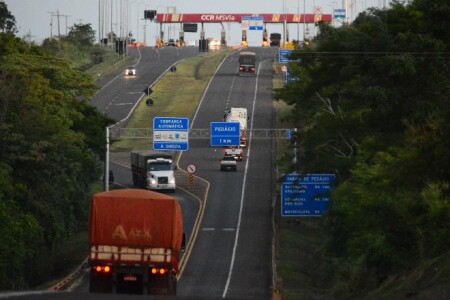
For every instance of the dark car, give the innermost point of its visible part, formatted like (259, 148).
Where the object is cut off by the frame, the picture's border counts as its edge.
(228, 163)
(171, 42)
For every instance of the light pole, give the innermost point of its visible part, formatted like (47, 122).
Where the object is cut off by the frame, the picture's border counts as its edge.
(138, 4)
(298, 21)
(304, 20)
(284, 24)
(145, 31)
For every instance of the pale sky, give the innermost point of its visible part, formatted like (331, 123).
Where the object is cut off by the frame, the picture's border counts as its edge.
(33, 17)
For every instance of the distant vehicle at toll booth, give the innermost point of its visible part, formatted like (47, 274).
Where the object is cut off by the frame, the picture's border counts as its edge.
(275, 39)
(171, 43)
(247, 63)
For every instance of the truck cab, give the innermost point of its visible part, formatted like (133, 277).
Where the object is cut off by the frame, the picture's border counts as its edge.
(153, 170)
(160, 174)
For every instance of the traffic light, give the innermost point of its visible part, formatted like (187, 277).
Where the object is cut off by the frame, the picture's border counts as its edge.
(244, 35)
(149, 14)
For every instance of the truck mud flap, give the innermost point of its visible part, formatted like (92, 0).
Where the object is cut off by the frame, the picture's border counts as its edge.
(100, 283)
(166, 285)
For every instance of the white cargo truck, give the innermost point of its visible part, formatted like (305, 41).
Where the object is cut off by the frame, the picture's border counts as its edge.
(238, 114)
(153, 170)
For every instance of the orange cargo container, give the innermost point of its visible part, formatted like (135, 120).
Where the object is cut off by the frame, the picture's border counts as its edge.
(135, 239)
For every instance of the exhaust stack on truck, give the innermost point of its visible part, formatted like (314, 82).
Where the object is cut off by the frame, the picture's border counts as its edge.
(135, 239)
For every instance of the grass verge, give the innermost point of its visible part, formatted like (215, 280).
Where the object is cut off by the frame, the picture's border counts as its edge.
(110, 64)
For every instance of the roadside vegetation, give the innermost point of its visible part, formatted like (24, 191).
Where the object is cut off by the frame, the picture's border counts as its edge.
(51, 143)
(372, 107)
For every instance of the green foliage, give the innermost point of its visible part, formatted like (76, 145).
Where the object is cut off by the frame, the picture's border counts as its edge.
(81, 35)
(50, 142)
(7, 20)
(372, 107)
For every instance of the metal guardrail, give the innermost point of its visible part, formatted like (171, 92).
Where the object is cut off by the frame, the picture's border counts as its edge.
(147, 133)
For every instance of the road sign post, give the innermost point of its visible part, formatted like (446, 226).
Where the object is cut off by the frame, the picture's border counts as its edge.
(305, 195)
(170, 134)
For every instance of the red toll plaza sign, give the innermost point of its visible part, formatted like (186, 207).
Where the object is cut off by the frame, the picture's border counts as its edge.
(217, 18)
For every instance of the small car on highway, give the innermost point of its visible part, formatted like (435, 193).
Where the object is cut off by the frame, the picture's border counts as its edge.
(238, 153)
(130, 71)
(228, 163)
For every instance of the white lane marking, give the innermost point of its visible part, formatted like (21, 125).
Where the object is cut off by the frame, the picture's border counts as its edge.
(126, 103)
(208, 229)
(214, 229)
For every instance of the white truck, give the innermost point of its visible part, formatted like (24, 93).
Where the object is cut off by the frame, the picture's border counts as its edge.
(238, 114)
(153, 170)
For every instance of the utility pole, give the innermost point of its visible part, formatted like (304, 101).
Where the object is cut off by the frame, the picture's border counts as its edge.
(59, 30)
(28, 38)
(51, 23)
(66, 16)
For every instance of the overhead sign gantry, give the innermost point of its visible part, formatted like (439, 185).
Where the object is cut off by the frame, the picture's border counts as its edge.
(237, 18)
(219, 18)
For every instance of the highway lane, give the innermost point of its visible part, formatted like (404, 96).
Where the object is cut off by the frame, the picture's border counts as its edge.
(120, 94)
(232, 254)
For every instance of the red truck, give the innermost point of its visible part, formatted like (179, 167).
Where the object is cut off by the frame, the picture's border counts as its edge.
(135, 240)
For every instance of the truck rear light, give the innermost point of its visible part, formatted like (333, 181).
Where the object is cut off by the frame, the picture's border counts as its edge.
(102, 269)
(159, 271)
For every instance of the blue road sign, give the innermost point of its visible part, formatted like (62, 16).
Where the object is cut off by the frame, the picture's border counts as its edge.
(283, 56)
(305, 195)
(255, 22)
(289, 77)
(170, 134)
(225, 134)
(339, 13)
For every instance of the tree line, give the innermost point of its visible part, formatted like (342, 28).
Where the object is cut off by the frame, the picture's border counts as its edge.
(372, 106)
(51, 145)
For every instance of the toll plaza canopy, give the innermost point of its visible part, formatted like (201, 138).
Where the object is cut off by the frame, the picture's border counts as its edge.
(218, 18)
